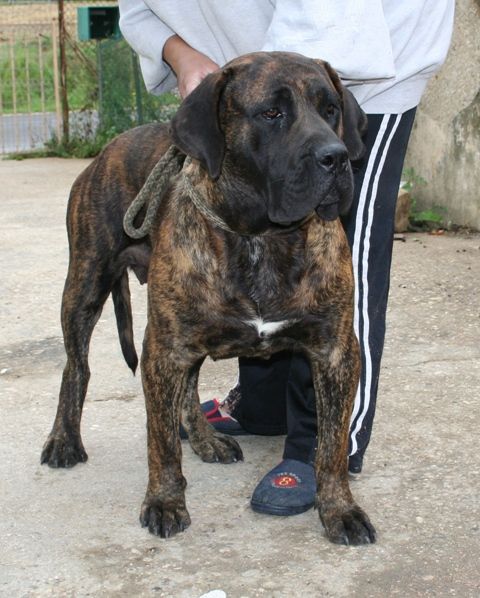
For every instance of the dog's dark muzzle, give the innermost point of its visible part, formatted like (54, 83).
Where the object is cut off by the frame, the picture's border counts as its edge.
(333, 158)
(321, 182)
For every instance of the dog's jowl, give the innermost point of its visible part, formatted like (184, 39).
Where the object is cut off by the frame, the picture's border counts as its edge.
(245, 256)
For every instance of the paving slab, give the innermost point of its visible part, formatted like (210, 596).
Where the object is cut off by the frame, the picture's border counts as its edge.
(75, 532)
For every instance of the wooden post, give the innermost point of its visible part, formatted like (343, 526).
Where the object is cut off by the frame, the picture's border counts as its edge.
(63, 69)
(14, 92)
(56, 85)
(138, 88)
(26, 45)
(2, 132)
(42, 80)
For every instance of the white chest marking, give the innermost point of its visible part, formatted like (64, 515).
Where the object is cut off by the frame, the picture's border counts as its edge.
(267, 328)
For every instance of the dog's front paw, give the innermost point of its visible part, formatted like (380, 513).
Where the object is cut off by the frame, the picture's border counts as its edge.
(63, 451)
(217, 448)
(349, 526)
(164, 519)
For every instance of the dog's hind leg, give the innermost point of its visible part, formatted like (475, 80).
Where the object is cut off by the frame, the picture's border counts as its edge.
(86, 289)
(209, 444)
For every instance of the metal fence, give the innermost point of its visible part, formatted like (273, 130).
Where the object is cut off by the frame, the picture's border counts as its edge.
(28, 75)
(30, 110)
(102, 77)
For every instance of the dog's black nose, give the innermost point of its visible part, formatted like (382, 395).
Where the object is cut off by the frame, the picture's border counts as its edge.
(332, 158)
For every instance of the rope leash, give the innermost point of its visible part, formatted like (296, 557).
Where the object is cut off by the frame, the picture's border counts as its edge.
(153, 191)
(201, 206)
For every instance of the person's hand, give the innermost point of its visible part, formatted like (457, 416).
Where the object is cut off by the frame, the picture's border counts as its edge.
(189, 65)
(192, 71)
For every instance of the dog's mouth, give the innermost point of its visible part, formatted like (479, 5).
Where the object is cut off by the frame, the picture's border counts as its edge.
(289, 225)
(305, 191)
(328, 211)
(335, 201)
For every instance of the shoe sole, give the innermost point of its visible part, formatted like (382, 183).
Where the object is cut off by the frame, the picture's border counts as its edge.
(279, 511)
(221, 429)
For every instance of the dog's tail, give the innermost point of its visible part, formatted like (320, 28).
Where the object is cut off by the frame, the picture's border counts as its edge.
(123, 313)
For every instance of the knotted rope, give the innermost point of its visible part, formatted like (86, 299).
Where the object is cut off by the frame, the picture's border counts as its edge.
(152, 192)
(200, 204)
(154, 189)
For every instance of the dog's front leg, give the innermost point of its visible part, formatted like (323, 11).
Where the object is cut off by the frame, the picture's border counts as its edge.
(335, 381)
(211, 446)
(165, 381)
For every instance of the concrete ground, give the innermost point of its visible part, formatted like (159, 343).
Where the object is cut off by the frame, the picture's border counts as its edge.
(75, 533)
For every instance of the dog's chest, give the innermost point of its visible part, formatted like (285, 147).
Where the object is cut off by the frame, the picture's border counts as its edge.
(228, 296)
(264, 328)
(259, 310)
(264, 288)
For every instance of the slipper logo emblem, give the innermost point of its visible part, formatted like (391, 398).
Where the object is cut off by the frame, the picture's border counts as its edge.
(285, 480)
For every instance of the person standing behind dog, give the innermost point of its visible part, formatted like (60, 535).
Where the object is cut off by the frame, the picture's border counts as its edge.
(384, 51)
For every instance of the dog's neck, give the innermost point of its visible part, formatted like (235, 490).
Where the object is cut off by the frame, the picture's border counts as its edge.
(229, 203)
(200, 200)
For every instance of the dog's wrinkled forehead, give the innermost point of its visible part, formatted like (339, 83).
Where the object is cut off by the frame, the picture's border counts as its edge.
(259, 76)
(223, 109)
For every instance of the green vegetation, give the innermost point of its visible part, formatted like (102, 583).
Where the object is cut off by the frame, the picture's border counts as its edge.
(123, 101)
(103, 78)
(21, 86)
(430, 218)
(26, 77)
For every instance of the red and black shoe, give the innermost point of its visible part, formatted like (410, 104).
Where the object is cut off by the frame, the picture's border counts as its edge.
(220, 420)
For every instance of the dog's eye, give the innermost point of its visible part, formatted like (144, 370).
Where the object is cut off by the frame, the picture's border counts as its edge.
(272, 114)
(331, 110)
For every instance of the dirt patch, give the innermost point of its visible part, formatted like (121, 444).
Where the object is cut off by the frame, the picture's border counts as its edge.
(32, 358)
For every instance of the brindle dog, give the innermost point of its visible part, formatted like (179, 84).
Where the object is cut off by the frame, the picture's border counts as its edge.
(271, 136)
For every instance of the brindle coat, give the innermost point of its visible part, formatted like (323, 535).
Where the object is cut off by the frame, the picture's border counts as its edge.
(270, 136)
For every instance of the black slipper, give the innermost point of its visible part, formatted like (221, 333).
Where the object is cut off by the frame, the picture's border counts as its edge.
(288, 489)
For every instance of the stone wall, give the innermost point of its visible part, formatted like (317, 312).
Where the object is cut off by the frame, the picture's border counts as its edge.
(445, 143)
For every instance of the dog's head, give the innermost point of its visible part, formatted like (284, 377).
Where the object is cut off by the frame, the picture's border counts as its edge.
(285, 127)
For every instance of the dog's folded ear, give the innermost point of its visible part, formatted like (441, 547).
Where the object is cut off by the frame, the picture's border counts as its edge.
(195, 128)
(355, 125)
(354, 118)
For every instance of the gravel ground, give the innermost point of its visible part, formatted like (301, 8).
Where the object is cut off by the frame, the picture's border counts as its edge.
(76, 533)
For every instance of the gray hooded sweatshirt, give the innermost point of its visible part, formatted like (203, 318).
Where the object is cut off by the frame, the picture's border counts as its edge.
(384, 50)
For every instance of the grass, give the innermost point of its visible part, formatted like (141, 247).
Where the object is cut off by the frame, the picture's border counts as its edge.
(22, 87)
(120, 103)
(428, 219)
(21, 83)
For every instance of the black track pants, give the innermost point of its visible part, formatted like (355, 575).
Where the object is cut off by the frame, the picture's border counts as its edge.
(278, 395)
